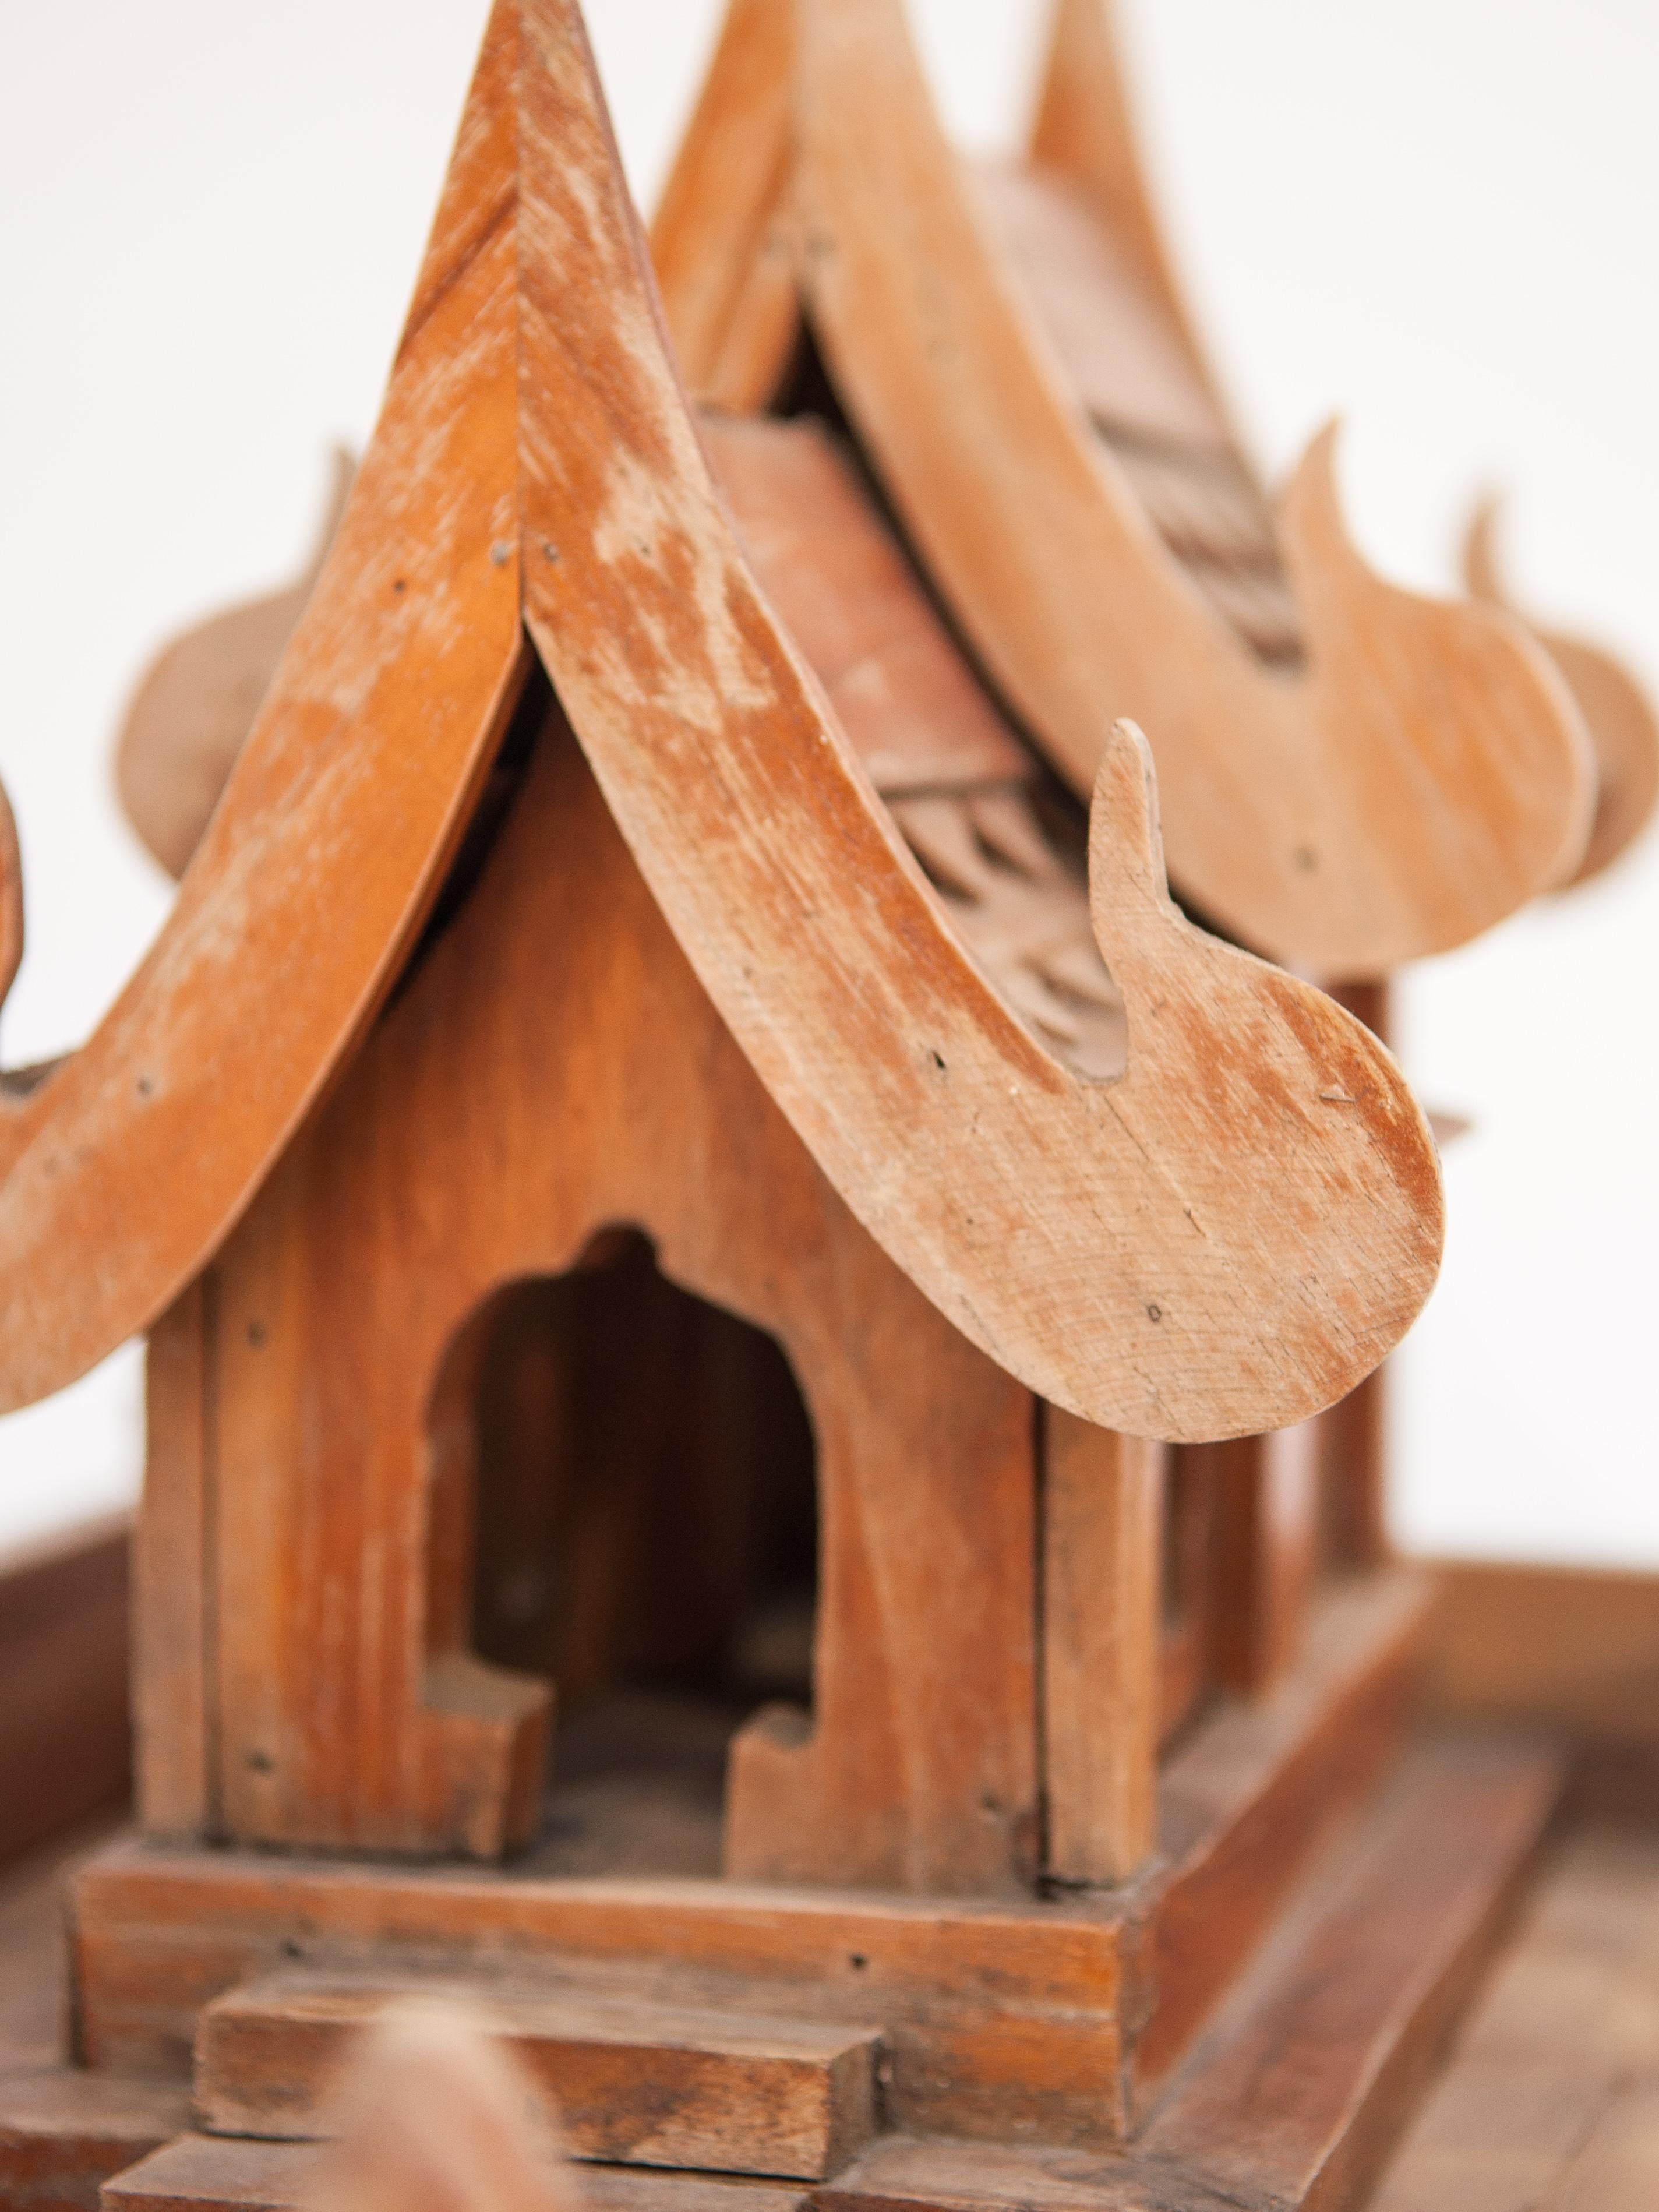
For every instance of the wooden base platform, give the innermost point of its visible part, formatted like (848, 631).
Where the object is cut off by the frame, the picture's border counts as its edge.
(1291, 2096)
(1047, 2020)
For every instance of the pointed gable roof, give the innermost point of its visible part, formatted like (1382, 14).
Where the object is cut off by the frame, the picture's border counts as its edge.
(1225, 1238)
(1352, 776)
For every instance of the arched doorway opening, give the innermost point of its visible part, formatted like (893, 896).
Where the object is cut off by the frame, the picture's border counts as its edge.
(645, 1537)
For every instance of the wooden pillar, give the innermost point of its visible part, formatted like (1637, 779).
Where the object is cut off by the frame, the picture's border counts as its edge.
(173, 1596)
(1352, 1455)
(1352, 1443)
(1265, 1529)
(1103, 1676)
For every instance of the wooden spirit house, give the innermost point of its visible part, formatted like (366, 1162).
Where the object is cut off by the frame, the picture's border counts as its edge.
(684, 1186)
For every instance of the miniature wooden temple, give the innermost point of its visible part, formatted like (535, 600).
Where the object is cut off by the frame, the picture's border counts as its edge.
(761, 1448)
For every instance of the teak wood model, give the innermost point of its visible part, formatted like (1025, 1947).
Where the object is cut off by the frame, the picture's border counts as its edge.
(536, 460)
(1351, 776)
(720, 1261)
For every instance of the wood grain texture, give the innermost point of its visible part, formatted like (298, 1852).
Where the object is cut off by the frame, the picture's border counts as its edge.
(734, 304)
(1265, 1534)
(625, 2080)
(1085, 1236)
(1084, 128)
(1101, 1684)
(1292, 2104)
(1323, 2054)
(867, 1021)
(193, 707)
(999, 2019)
(1425, 773)
(1617, 712)
(65, 1751)
(325, 852)
(207, 2173)
(1246, 1799)
(347, 1436)
(1049, 2019)
(174, 1573)
(1547, 2100)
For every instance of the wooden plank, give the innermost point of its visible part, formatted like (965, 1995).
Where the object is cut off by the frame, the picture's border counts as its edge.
(207, 2173)
(867, 1020)
(65, 1748)
(197, 2173)
(349, 1421)
(625, 2080)
(999, 2017)
(720, 242)
(1567, 2025)
(1421, 773)
(1353, 1433)
(1255, 1788)
(63, 2133)
(1130, 370)
(1320, 2057)
(196, 702)
(901, 691)
(174, 1576)
(1265, 1537)
(1576, 1648)
(1083, 128)
(1101, 1515)
(331, 839)
(996, 2018)
(1293, 2102)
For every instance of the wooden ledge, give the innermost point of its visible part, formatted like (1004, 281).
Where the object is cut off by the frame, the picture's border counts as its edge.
(1011, 2019)
(1292, 2102)
(205, 2173)
(625, 2080)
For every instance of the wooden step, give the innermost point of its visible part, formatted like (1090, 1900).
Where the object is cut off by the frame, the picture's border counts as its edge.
(630, 2081)
(1316, 2064)
(62, 2132)
(214, 2173)
(1294, 2096)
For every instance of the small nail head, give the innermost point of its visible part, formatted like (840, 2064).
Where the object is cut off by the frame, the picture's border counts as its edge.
(500, 552)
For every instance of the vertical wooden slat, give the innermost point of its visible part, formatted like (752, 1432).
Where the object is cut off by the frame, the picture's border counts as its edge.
(1102, 1674)
(1352, 1451)
(1186, 1639)
(171, 1569)
(1353, 1440)
(1266, 1534)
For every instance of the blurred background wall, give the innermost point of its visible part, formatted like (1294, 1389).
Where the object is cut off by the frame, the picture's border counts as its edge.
(1438, 217)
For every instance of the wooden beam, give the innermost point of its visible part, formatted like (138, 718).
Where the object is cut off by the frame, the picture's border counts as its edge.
(623, 2078)
(1264, 1530)
(173, 1581)
(1102, 1677)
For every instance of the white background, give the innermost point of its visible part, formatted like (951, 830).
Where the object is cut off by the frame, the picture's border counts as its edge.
(1439, 217)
